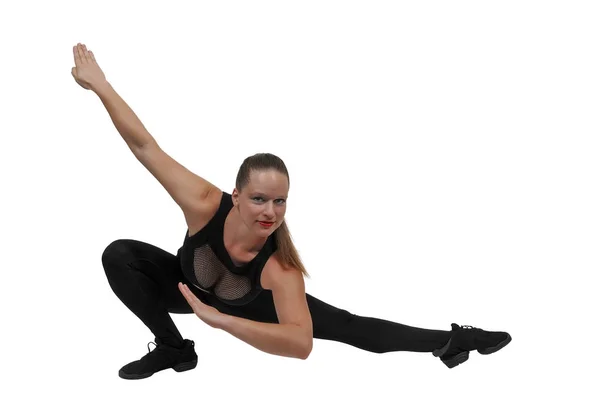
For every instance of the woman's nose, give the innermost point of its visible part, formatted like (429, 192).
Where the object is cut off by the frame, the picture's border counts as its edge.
(269, 210)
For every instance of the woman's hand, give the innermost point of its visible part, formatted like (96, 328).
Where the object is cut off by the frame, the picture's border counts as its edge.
(210, 315)
(86, 72)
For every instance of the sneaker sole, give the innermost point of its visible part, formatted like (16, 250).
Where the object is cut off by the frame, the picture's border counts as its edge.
(182, 367)
(456, 360)
(464, 356)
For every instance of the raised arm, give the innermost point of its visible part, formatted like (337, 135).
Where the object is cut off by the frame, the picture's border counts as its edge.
(187, 189)
(87, 74)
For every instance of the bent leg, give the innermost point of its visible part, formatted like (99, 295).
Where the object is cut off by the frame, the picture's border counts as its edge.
(145, 279)
(371, 334)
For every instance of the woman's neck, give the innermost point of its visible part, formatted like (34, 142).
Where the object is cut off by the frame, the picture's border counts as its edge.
(238, 237)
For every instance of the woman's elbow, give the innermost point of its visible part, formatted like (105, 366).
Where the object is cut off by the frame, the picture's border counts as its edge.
(306, 349)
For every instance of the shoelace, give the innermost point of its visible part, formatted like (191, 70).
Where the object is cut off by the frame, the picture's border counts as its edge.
(156, 346)
(152, 342)
(467, 327)
(158, 350)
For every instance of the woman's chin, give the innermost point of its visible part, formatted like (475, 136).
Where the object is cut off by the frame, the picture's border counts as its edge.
(262, 231)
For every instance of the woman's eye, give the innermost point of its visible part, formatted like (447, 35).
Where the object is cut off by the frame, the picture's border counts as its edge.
(281, 201)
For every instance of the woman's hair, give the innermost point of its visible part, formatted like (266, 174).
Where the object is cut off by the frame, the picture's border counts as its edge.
(286, 251)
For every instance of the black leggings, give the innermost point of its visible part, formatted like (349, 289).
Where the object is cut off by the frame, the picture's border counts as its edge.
(145, 279)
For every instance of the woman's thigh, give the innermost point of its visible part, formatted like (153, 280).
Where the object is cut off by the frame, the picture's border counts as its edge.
(327, 319)
(162, 267)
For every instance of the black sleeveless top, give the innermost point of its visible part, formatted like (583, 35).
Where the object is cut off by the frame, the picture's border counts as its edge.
(207, 265)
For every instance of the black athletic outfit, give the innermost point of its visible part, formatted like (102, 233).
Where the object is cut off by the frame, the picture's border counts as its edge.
(145, 278)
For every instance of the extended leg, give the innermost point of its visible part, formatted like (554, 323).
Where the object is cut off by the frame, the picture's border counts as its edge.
(371, 334)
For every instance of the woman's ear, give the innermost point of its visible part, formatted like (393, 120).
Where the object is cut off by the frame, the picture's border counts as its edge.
(235, 197)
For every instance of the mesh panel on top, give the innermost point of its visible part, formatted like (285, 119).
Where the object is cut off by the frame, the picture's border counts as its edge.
(210, 273)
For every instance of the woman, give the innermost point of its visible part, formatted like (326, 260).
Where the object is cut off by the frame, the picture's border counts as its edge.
(237, 269)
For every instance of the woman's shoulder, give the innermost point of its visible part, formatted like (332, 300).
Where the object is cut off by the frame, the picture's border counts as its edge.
(274, 271)
(200, 217)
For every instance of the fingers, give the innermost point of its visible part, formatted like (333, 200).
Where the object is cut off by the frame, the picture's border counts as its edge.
(189, 296)
(82, 55)
(76, 56)
(92, 57)
(88, 57)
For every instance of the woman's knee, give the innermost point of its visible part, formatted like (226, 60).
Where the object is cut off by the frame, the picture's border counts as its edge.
(326, 315)
(117, 252)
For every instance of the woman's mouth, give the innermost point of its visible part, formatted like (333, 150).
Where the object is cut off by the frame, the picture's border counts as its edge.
(265, 224)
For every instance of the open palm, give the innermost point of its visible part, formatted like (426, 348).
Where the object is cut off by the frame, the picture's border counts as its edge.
(210, 315)
(86, 72)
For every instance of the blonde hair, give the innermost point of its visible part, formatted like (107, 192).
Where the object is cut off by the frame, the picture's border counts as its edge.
(286, 251)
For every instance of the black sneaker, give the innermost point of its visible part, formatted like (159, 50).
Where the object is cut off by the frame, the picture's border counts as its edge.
(467, 338)
(162, 357)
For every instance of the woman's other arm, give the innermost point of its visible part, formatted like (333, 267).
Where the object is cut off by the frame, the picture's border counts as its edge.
(190, 191)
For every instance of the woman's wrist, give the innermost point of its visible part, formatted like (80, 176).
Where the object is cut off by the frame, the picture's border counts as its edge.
(101, 87)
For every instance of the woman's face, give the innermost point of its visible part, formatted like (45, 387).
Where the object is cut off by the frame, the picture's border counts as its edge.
(263, 199)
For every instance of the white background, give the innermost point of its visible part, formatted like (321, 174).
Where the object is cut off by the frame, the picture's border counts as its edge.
(444, 168)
